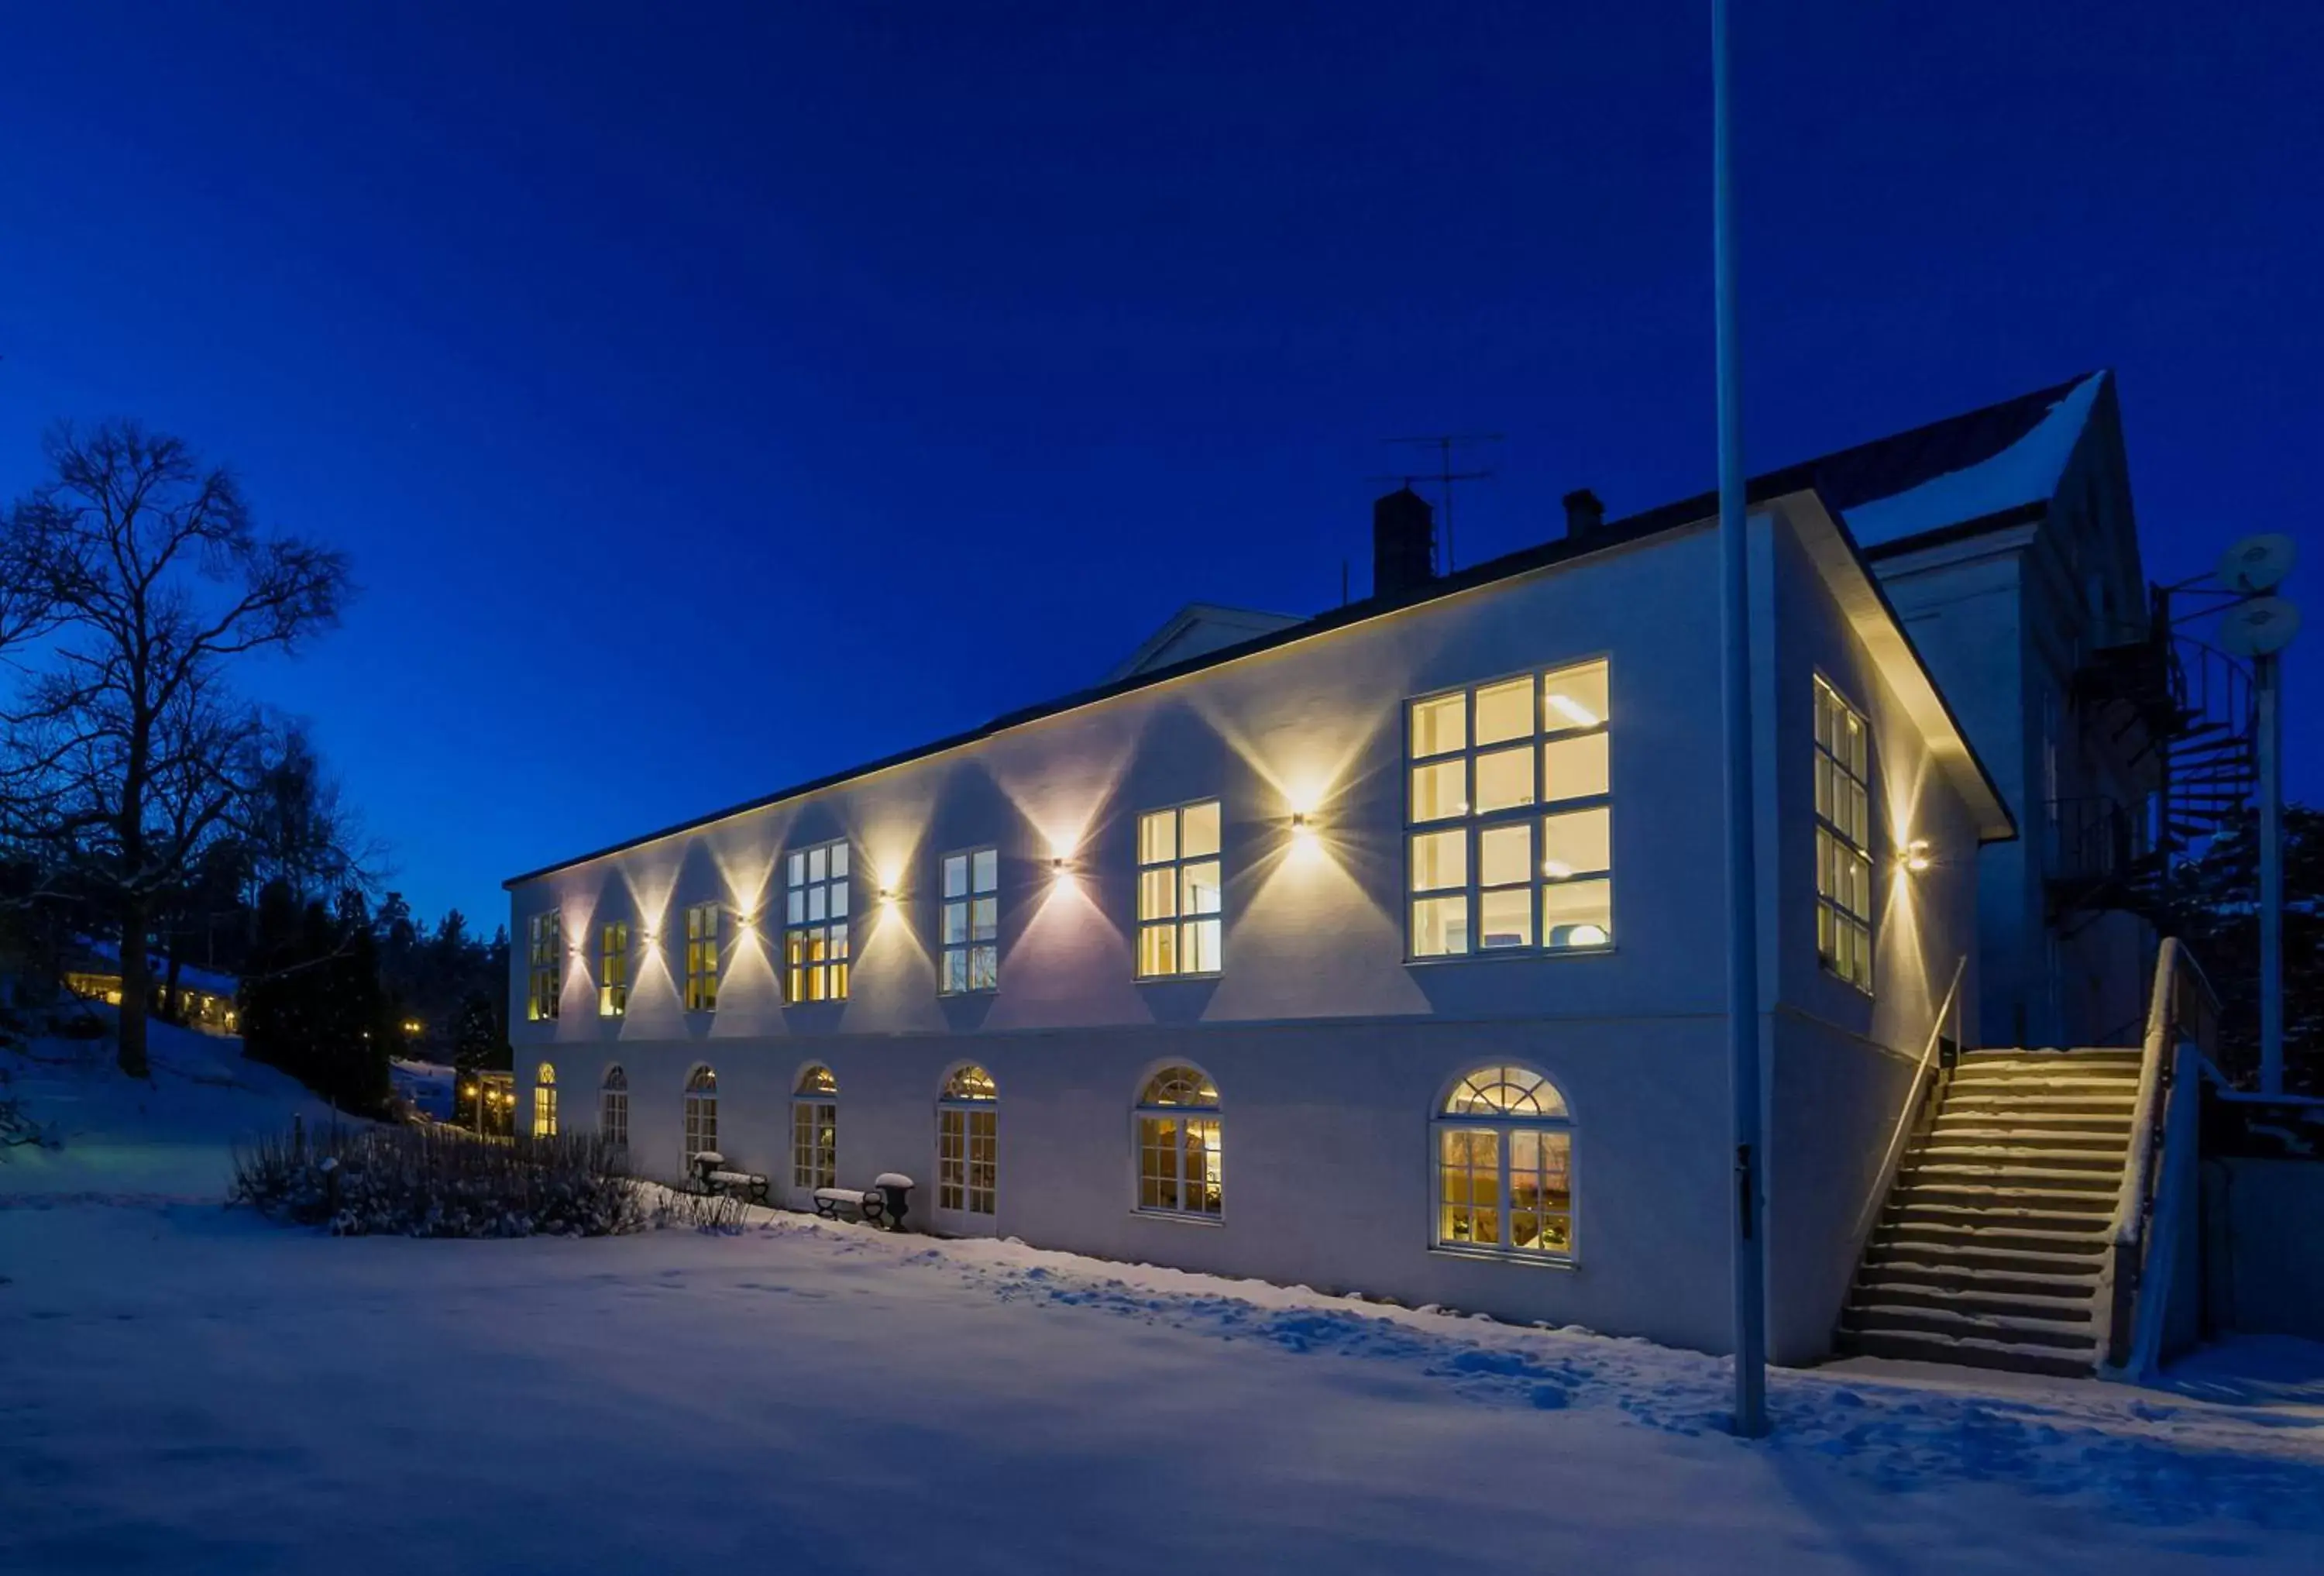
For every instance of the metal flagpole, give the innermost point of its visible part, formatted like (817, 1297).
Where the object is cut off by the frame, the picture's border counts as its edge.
(1750, 1419)
(2270, 873)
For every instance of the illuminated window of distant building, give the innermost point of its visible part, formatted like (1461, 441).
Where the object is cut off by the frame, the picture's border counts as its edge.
(613, 1108)
(613, 969)
(1510, 841)
(815, 1131)
(1843, 838)
(702, 957)
(1505, 1165)
(544, 1102)
(1181, 912)
(1178, 1160)
(971, 921)
(701, 1112)
(814, 937)
(968, 1144)
(544, 965)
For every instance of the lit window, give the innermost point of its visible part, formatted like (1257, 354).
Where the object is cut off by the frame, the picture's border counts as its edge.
(968, 1144)
(1510, 846)
(1180, 915)
(701, 1113)
(815, 1131)
(544, 1102)
(544, 965)
(613, 969)
(1843, 839)
(702, 958)
(613, 1108)
(1178, 1169)
(815, 940)
(971, 921)
(1505, 1167)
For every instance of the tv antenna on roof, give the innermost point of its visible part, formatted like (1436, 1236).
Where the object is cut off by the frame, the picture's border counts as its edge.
(1444, 443)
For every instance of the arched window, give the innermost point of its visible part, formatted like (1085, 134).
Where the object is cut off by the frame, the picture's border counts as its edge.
(815, 1131)
(1505, 1165)
(968, 1147)
(613, 1108)
(544, 1102)
(701, 1112)
(1179, 1170)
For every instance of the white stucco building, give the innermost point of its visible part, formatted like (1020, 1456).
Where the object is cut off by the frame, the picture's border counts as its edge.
(1380, 951)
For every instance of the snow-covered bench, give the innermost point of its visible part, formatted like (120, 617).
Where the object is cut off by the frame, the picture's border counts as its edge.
(882, 1203)
(709, 1173)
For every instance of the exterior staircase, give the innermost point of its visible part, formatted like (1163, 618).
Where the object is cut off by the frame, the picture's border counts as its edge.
(1992, 1249)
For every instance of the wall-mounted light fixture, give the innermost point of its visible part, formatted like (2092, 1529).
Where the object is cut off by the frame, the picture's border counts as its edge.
(1915, 857)
(887, 894)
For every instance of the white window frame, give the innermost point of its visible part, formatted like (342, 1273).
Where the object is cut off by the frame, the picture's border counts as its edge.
(705, 922)
(544, 1101)
(613, 968)
(1182, 925)
(1185, 1117)
(701, 1112)
(968, 923)
(1505, 1124)
(815, 1129)
(544, 965)
(613, 1107)
(1845, 933)
(817, 917)
(971, 1099)
(1530, 818)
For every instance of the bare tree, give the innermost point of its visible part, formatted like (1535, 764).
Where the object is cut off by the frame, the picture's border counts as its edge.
(128, 752)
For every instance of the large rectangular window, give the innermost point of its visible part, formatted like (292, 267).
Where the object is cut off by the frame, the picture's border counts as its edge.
(613, 969)
(815, 935)
(1843, 838)
(971, 921)
(702, 958)
(544, 954)
(1510, 845)
(1181, 912)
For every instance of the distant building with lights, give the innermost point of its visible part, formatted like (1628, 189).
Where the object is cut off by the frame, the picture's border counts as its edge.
(1383, 950)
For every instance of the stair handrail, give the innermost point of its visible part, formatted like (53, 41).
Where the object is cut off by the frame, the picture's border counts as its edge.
(2184, 1007)
(1948, 1011)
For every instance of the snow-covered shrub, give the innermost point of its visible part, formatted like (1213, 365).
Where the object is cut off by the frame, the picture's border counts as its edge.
(721, 1215)
(439, 1182)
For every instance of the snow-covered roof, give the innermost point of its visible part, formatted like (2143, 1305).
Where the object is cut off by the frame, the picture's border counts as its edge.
(2025, 469)
(190, 976)
(1195, 628)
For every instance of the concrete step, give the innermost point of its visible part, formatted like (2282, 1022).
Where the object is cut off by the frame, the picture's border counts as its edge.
(2050, 1306)
(2011, 1107)
(2065, 1335)
(2102, 1055)
(1936, 1171)
(1954, 1232)
(1997, 1211)
(2087, 1210)
(2113, 1126)
(1970, 1260)
(2078, 1150)
(2031, 1088)
(1980, 1351)
(2076, 1283)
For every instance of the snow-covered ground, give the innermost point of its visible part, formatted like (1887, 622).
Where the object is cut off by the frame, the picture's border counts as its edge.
(188, 1390)
(131, 1142)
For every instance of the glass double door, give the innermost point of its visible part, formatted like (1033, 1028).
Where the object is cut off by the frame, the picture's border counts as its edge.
(968, 1157)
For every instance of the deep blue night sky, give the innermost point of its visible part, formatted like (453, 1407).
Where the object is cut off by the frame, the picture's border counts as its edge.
(715, 397)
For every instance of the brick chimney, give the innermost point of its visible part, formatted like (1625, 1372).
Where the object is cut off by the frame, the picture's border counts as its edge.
(1403, 543)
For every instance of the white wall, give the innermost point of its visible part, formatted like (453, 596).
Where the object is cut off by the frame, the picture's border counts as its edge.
(1844, 1061)
(1331, 1050)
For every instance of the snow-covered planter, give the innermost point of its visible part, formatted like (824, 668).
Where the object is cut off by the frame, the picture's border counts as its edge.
(439, 1182)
